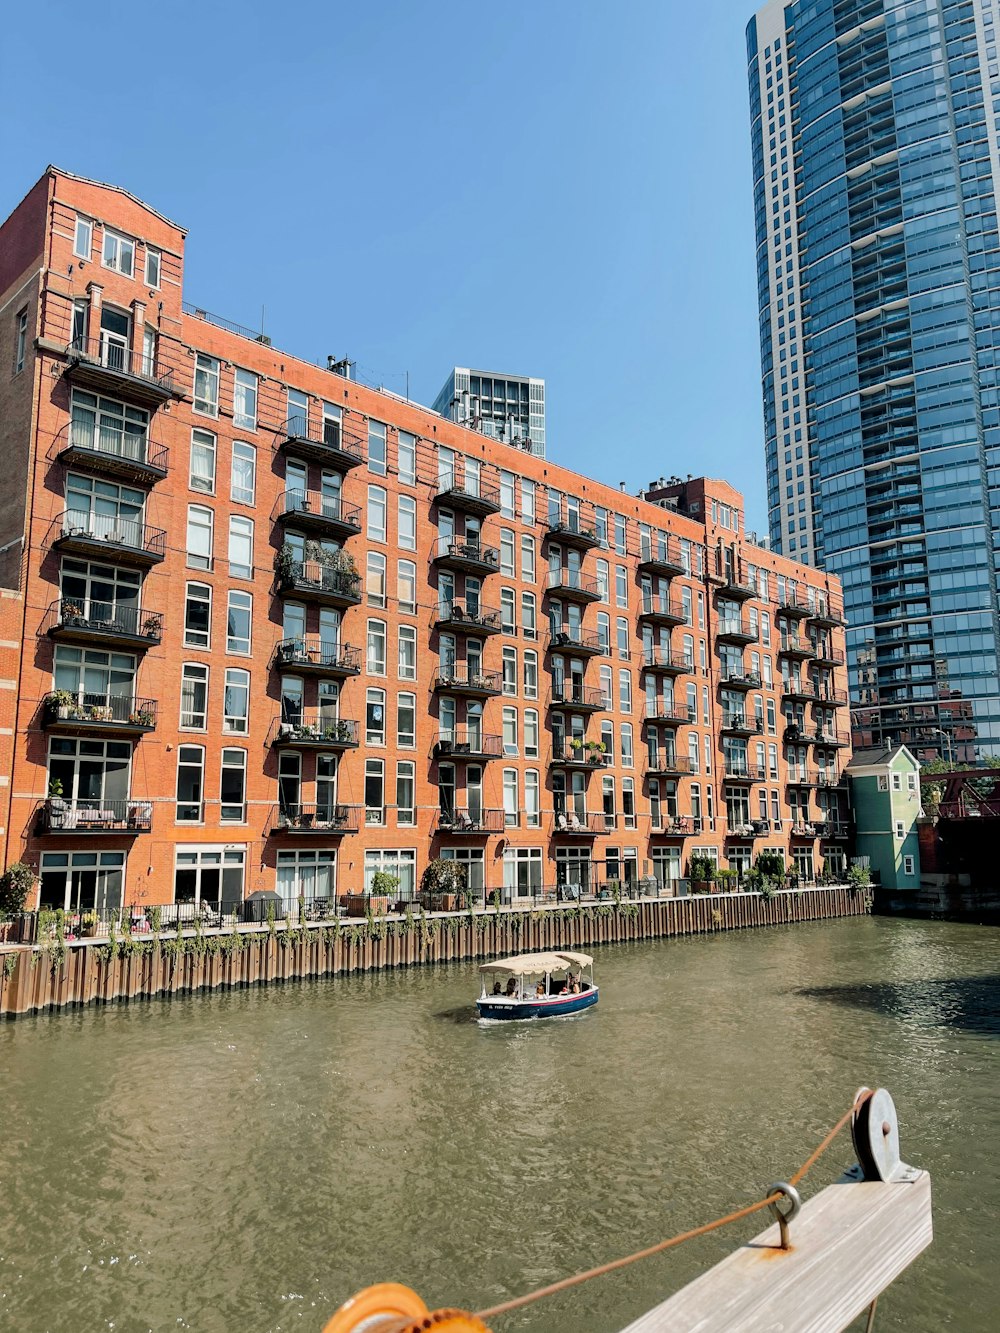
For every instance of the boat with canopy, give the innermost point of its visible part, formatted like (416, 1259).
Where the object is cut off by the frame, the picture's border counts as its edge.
(537, 985)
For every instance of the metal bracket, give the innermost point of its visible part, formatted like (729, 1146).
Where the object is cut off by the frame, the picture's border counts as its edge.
(794, 1204)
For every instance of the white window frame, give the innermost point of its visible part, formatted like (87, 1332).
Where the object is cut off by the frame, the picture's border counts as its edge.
(234, 723)
(246, 391)
(246, 455)
(196, 558)
(120, 245)
(206, 446)
(236, 594)
(154, 266)
(206, 601)
(84, 227)
(209, 368)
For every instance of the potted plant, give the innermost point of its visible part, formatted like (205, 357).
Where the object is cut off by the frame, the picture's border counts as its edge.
(576, 744)
(384, 886)
(284, 564)
(15, 885)
(151, 627)
(701, 872)
(62, 701)
(443, 879)
(88, 925)
(72, 613)
(727, 879)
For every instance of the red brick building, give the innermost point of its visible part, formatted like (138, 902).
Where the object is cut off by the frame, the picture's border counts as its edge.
(278, 629)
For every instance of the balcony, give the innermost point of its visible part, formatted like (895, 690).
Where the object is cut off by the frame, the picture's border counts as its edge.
(739, 771)
(575, 534)
(662, 610)
(793, 608)
(577, 643)
(114, 714)
(570, 824)
(319, 583)
(572, 586)
(735, 631)
(799, 691)
(581, 755)
(467, 557)
(315, 730)
(578, 698)
(677, 828)
(734, 586)
(315, 820)
(108, 537)
(93, 816)
(741, 724)
(313, 656)
(750, 828)
(833, 830)
(797, 648)
(469, 684)
(113, 453)
(803, 829)
(827, 656)
(468, 618)
(667, 715)
(104, 623)
(830, 738)
(468, 495)
(115, 368)
(741, 680)
(325, 515)
(469, 824)
(799, 776)
(463, 744)
(828, 617)
(662, 659)
(664, 563)
(333, 447)
(668, 766)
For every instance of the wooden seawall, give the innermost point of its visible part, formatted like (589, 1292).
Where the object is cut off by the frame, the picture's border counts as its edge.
(59, 975)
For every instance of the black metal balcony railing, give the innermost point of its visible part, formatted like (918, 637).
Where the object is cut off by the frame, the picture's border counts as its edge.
(578, 753)
(331, 445)
(664, 609)
(463, 743)
(570, 583)
(114, 712)
(682, 827)
(745, 724)
(735, 630)
(740, 771)
(573, 532)
(70, 618)
(741, 680)
(668, 766)
(664, 559)
(106, 448)
(309, 577)
(322, 819)
(472, 495)
(578, 824)
(577, 641)
(317, 512)
(584, 697)
(469, 822)
(672, 715)
(319, 656)
(471, 617)
(469, 555)
(460, 680)
(794, 608)
(827, 655)
(94, 816)
(108, 363)
(315, 728)
(829, 736)
(110, 535)
(792, 645)
(662, 659)
(828, 616)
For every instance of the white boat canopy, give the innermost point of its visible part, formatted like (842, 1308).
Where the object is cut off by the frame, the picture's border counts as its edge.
(530, 964)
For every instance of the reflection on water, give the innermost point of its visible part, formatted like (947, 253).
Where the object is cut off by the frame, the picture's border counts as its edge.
(248, 1160)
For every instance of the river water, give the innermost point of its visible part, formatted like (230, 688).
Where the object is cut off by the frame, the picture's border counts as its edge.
(245, 1161)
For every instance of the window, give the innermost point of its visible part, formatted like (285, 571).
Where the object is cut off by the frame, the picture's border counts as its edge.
(908, 867)
(21, 342)
(406, 721)
(376, 447)
(510, 731)
(897, 782)
(407, 652)
(529, 623)
(152, 267)
(245, 400)
(206, 385)
(624, 690)
(531, 733)
(506, 494)
(527, 558)
(900, 829)
(199, 537)
(240, 547)
(400, 863)
(375, 578)
(197, 615)
(232, 787)
(407, 458)
(83, 238)
(511, 805)
(118, 253)
(532, 799)
(376, 514)
(202, 475)
(507, 552)
(603, 575)
(375, 717)
(406, 811)
(509, 660)
(374, 791)
(507, 619)
(407, 536)
(530, 674)
(623, 638)
(621, 586)
(243, 482)
(627, 750)
(883, 782)
(190, 784)
(527, 500)
(239, 616)
(628, 802)
(194, 695)
(297, 415)
(376, 648)
(236, 701)
(406, 586)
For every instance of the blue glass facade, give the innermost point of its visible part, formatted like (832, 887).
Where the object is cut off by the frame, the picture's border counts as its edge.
(879, 285)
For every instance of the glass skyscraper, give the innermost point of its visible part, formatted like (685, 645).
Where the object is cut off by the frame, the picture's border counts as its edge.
(875, 161)
(505, 407)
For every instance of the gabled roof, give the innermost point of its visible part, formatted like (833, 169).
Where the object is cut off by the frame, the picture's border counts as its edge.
(115, 189)
(880, 757)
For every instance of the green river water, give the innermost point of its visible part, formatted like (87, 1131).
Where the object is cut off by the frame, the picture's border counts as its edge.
(246, 1161)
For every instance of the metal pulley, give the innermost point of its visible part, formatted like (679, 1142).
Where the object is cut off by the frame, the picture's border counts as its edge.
(875, 1131)
(390, 1307)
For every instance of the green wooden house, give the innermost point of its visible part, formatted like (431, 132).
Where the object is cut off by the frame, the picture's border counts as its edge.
(885, 800)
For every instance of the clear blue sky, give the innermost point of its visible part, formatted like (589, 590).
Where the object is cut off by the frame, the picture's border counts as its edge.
(559, 188)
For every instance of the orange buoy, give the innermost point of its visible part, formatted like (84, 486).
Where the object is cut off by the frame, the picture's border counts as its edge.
(389, 1307)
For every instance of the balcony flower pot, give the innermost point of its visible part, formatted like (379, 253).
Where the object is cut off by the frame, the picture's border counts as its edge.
(356, 904)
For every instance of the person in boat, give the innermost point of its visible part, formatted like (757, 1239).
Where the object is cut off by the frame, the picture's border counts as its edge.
(540, 990)
(573, 984)
(496, 987)
(511, 987)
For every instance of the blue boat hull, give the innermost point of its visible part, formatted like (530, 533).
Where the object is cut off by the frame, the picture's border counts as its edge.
(553, 1006)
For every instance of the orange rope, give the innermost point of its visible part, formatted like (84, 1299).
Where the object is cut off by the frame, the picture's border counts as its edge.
(518, 1301)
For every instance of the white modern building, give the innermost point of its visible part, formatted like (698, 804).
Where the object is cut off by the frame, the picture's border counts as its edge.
(505, 407)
